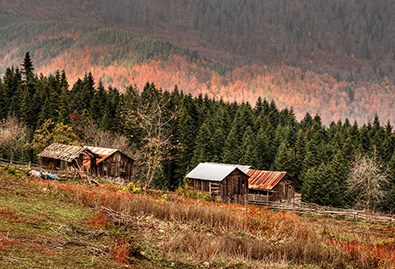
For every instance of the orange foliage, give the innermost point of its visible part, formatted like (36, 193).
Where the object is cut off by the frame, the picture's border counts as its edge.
(7, 211)
(120, 254)
(99, 220)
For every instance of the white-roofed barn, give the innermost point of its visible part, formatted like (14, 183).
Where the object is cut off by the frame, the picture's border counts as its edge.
(227, 182)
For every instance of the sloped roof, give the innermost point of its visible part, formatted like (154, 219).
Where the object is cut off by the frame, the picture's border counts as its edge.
(213, 171)
(243, 168)
(264, 180)
(104, 153)
(62, 152)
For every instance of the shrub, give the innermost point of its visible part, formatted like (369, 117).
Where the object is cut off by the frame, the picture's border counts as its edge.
(188, 191)
(11, 170)
(133, 189)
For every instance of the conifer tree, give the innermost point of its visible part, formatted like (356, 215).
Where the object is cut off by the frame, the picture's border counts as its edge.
(247, 148)
(283, 158)
(3, 105)
(231, 152)
(185, 135)
(64, 107)
(27, 68)
(217, 142)
(389, 203)
(203, 149)
(300, 154)
(25, 113)
(262, 151)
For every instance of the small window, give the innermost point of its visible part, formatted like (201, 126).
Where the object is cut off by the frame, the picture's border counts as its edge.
(243, 181)
(290, 187)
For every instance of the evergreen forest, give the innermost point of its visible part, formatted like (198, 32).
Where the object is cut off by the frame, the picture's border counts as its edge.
(169, 132)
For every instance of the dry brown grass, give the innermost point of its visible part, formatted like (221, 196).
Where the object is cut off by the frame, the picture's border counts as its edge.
(214, 232)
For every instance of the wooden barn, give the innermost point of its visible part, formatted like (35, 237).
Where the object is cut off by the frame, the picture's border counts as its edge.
(270, 186)
(63, 157)
(113, 163)
(226, 182)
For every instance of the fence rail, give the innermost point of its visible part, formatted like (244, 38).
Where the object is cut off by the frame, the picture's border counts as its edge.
(18, 163)
(314, 209)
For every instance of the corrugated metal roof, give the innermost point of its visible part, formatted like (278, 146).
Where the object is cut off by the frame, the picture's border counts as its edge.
(213, 171)
(62, 152)
(243, 168)
(264, 180)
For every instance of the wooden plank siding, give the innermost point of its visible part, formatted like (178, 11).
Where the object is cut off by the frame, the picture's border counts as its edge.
(61, 165)
(232, 189)
(116, 165)
(284, 191)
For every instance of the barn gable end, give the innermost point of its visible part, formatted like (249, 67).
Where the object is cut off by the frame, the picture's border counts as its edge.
(223, 181)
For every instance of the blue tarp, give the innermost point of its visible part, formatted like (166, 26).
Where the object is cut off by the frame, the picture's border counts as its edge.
(46, 175)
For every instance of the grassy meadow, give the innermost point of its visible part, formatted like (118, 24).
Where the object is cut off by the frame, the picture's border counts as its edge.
(63, 224)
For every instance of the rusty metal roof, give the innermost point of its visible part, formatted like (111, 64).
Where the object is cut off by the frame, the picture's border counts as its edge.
(104, 153)
(264, 180)
(213, 171)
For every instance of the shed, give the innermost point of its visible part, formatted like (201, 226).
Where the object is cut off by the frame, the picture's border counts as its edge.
(226, 182)
(265, 186)
(64, 157)
(113, 163)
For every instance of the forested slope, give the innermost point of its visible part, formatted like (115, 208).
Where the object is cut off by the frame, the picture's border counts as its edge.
(336, 36)
(171, 132)
(328, 75)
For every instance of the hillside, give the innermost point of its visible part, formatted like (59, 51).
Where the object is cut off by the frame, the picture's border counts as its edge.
(50, 224)
(341, 34)
(332, 74)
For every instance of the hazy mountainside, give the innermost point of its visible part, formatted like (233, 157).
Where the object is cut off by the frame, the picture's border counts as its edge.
(330, 57)
(344, 35)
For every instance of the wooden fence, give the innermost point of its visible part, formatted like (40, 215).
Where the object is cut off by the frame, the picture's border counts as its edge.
(339, 213)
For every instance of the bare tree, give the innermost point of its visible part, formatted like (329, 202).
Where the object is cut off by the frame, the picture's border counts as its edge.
(90, 134)
(153, 119)
(13, 136)
(365, 182)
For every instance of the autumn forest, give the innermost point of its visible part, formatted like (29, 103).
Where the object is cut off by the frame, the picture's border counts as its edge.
(170, 132)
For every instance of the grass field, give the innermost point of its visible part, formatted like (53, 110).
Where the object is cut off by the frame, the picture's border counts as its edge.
(70, 225)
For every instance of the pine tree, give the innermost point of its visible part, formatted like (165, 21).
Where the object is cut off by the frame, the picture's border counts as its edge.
(27, 68)
(247, 147)
(231, 153)
(217, 142)
(203, 149)
(186, 132)
(25, 113)
(283, 158)
(389, 203)
(339, 169)
(300, 154)
(64, 107)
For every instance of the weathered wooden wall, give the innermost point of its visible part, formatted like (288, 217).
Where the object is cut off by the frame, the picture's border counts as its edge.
(116, 165)
(56, 164)
(284, 191)
(232, 189)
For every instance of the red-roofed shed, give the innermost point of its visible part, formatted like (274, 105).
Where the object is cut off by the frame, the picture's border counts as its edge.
(265, 186)
(113, 163)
